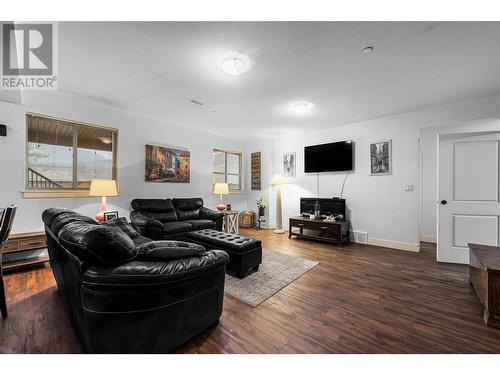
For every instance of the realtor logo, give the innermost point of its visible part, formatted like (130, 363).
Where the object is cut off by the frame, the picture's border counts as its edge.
(29, 56)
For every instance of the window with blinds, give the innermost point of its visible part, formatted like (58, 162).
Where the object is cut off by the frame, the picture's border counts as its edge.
(227, 168)
(63, 154)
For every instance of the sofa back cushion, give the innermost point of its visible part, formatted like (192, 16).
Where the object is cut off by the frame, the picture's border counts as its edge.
(123, 224)
(61, 220)
(97, 243)
(159, 209)
(188, 208)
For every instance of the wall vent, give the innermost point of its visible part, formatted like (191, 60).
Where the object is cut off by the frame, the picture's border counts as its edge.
(197, 102)
(358, 237)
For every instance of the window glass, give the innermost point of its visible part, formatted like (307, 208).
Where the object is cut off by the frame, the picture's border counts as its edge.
(52, 162)
(50, 155)
(227, 168)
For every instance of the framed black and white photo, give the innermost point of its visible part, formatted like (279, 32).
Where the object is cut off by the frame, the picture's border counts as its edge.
(289, 164)
(110, 215)
(381, 158)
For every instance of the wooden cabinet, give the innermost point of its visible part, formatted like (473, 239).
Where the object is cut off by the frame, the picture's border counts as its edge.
(21, 242)
(319, 230)
(484, 268)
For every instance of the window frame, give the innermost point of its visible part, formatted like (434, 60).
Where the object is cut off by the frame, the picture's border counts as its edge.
(225, 174)
(68, 192)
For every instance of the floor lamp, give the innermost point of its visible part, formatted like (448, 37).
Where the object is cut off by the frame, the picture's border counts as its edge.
(278, 180)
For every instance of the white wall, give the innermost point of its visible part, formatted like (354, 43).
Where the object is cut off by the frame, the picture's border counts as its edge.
(134, 132)
(378, 204)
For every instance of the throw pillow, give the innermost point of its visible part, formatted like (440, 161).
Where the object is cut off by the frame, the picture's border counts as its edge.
(97, 243)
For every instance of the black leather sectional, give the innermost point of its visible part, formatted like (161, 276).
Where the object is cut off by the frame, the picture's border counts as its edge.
(173, 218)
(128, 294)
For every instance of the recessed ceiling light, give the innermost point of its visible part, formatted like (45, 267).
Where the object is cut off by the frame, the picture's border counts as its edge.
(367, 50)
(302, 107)
(235, 65)
(213, 112)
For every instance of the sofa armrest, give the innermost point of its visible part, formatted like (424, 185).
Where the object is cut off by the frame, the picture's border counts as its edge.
(218, 217)
(147, 226)
(142, 273)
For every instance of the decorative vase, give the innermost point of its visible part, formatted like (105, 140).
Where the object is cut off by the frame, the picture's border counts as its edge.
(262, 211)
(317, 210)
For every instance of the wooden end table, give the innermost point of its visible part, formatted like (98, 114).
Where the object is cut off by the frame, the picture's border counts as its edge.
(231, 221)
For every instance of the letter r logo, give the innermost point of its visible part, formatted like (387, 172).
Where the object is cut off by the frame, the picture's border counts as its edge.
(27, 49)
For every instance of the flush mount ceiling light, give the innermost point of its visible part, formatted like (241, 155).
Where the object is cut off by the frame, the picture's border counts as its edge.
(367, 50)
(302, 107)
(235, 65)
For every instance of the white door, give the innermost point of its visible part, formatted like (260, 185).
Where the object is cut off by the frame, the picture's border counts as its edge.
(468, 198)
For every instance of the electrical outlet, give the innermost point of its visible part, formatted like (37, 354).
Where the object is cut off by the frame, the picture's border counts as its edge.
(408, 187)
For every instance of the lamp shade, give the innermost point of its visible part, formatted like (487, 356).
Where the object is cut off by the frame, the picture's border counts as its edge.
(103, 188)
(278, 180)
(221, 188)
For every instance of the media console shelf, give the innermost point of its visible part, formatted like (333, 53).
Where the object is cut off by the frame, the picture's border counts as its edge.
(319, 230)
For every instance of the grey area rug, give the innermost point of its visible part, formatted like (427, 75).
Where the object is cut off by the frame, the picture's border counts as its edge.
(276, 272)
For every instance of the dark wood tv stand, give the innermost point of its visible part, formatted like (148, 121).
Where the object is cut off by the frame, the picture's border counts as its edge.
(319, 230)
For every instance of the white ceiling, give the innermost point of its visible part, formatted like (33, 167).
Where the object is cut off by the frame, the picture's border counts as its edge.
(155, 69)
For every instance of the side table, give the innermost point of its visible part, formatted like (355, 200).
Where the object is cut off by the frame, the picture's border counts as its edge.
(231, 221)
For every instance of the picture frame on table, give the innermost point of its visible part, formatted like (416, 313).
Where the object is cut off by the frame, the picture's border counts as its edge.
(110, 215)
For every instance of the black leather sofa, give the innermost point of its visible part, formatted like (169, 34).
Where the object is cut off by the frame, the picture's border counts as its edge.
(126, 296)
(172, 218)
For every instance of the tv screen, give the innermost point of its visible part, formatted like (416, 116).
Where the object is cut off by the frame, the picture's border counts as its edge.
(329, 157)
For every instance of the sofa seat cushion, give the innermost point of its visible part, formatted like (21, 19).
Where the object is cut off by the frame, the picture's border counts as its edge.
(166, 250)
(221, 240)
(176, 227)
(201, 224)
(141, 240)
(97, 243)
(141, 273)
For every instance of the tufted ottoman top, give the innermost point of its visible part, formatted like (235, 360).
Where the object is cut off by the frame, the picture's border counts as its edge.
(223, 241)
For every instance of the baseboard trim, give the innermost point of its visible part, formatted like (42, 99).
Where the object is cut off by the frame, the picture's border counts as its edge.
(406, 246)
(428, 238)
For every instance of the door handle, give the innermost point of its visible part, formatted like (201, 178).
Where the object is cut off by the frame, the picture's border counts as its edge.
(444, 201)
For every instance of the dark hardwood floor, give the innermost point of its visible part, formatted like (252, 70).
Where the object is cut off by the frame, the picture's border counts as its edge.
(359, 299)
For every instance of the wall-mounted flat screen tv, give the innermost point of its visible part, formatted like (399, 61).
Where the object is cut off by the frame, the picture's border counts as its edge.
(329, 157)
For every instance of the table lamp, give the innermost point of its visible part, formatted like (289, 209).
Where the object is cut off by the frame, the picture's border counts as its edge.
(221, 188)
(278, 180)
(103, 188)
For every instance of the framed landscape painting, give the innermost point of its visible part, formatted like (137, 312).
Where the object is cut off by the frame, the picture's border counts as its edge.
(381, 158)
(164, 164)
